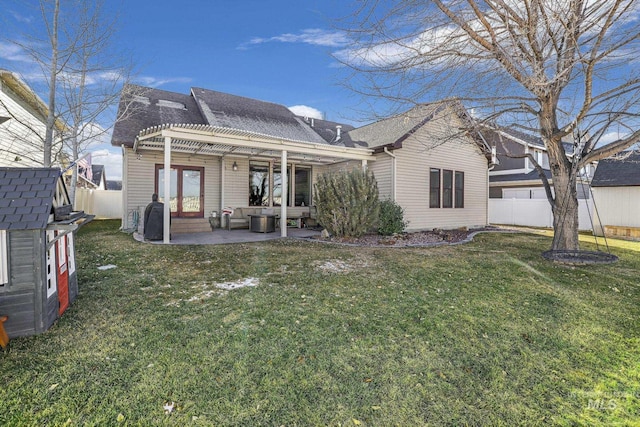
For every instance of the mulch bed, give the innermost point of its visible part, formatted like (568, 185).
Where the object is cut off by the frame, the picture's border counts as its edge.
(418, 238)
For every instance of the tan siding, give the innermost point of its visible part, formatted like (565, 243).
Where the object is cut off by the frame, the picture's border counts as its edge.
(415, 159)
(236, 183)
(382, 169)
(139, 182)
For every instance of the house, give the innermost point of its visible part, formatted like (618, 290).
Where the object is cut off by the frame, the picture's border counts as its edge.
(616, 194)
(209, 150)
(22, 124)
(114, 185)
(98, 177)
(423, 162)
(514, 175)
(38, 277)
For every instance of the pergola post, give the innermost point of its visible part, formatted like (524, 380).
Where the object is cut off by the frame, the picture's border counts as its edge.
(284, 201)
(166, 226)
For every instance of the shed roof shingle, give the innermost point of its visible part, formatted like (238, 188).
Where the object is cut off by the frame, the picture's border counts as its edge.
(27, 205)
(618, 171)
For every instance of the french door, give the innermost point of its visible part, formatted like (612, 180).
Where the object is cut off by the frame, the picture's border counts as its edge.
(186, 196)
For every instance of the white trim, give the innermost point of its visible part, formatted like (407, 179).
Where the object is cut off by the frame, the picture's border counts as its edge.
(528, 182)
(71, 257)
(509, 172)
(193, 138)
(283, 200)
(4, 272)
(166, 226)
(52, 271)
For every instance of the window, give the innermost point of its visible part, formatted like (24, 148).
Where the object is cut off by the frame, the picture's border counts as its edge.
(4, 273)
(186, 194)
(303, 186)
(265, 185)
(459, 190)
(258, 184)
(447, 189)
(444, 191)
(277, 186)
(434, 188)
(51, 265)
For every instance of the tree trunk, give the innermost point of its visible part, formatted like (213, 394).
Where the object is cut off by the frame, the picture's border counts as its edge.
(564, 175)
(565, 212)
(53, 76)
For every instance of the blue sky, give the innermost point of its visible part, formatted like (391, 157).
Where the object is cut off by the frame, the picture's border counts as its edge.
(275, 50)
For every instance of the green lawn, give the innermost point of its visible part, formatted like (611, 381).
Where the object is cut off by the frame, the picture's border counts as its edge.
(486, 333)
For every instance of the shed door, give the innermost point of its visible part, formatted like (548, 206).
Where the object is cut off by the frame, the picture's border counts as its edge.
(63, 274)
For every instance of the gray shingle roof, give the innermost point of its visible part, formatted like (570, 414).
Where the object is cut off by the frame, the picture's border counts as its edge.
(26, 197)
(142, 107)
(328, 131)
(614, 172)
(96, 173)
(237, 112)
(393, 129)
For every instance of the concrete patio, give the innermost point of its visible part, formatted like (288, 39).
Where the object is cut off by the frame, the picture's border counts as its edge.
(223, 236)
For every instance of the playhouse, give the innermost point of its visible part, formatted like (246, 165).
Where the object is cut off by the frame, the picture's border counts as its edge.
(38, 277)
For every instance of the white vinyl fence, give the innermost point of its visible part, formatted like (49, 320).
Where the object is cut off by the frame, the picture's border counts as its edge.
(534, 213)
(103, 204)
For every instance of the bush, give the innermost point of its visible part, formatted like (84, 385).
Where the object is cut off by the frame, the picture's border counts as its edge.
(347, 202)
(391, 218)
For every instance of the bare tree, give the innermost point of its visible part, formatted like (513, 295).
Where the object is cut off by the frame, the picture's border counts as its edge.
(83, 70)
(559, 68)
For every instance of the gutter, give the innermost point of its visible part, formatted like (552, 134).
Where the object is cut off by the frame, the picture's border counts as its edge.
(393, 173)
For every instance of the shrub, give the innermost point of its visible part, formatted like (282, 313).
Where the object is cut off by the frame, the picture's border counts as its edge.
(391, 218)
(347, 202)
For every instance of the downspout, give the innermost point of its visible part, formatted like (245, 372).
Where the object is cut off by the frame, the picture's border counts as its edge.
(393, 173)
(492, 164)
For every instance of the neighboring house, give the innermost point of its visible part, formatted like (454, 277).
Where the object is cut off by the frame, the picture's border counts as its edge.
(114, 185)
(98, 177)
(38, 277)
(513, 175)
(616, 195)
(210, 150)
(22, 124)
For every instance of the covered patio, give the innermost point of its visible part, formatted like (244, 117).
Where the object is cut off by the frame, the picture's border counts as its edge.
(226, 144)
(222, 236)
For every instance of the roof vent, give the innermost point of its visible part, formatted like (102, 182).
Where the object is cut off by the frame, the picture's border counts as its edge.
(312, 122)
(338, 132)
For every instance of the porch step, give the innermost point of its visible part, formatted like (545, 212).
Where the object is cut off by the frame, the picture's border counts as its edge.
(190, 225)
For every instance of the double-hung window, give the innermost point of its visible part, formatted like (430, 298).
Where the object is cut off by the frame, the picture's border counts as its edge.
(446, 188)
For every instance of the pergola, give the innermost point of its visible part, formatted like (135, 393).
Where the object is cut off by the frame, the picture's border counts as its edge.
(221, 142)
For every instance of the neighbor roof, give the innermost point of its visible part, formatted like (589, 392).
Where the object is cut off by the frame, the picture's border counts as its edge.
(20, 88)
(515, 177)
(96, 173)
(618, 171)
(26, 197)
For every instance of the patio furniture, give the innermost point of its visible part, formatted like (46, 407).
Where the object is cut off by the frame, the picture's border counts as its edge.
(262, 223)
